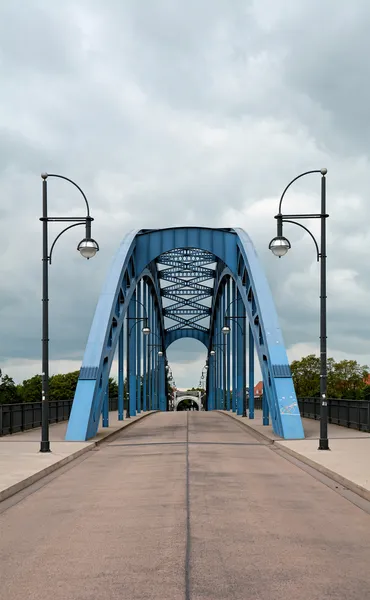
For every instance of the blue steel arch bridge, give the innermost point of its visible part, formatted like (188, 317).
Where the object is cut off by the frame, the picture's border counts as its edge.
(185, 282)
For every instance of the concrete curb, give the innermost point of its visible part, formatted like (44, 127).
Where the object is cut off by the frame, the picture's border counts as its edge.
(21, 485)
(351, 485)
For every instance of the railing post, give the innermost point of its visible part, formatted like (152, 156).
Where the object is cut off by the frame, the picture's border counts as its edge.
(22, 416)
(368, 416)
(348, 405)
(1, 419)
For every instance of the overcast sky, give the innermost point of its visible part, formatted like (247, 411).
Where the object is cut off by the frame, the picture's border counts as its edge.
(183, 113)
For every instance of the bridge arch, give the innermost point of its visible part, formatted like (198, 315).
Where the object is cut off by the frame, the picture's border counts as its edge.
(158, 276)
(194, 399)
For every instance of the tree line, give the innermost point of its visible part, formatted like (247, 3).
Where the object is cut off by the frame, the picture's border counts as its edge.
(346, 378)
(61, 387)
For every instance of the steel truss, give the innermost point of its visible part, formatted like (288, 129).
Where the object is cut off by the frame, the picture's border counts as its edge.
(185, 282)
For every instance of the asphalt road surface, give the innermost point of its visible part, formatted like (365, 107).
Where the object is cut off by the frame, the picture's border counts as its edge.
(184, 506)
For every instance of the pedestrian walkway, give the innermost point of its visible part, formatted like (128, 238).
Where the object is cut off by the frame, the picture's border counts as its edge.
(347, 462)
(21, 463)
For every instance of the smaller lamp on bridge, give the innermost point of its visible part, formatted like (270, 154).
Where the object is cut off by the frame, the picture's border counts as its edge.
(226, 329)
(160, 353)
(146, 330)
(213, 352)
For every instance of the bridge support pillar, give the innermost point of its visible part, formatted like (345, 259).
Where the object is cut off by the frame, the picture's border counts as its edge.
(162, 384)
(234, 334)
(139, 316)
(120, 377)
(105, 409)
(211, 381)
(265, 409)
(241, 347)
(131, 356)
(251, 374)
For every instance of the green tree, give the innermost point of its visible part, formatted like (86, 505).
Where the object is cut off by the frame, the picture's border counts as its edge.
(30, 390)
(113, 388)
(306, 376)
(8, 390)
(63, 386)
(346, 378)
(366, 392)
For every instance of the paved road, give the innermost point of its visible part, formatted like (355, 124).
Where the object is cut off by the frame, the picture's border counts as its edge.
(184, 506)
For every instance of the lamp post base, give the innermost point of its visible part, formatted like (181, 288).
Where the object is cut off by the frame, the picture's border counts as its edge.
(45, 447)
(323, 444)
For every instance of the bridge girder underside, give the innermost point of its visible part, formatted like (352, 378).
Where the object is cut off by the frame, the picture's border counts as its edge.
(184, 282)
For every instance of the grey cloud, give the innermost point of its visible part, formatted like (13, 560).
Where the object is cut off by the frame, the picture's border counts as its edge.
(169, 117)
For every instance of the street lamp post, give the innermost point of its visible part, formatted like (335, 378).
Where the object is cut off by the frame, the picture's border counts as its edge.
(87, 248)
(280, 246)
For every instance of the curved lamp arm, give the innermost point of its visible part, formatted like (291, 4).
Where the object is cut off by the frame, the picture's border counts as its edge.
(46, 175)
(322, 171)
(309, 232)
(235, 319)
(58, 236)
(137, 321)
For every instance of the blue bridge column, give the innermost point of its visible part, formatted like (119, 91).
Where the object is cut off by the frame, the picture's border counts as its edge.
(162, 383)
(120, 376)
(211, 382)
(131, 356)
(145, 352)
(251, 374)
(234, 334)
(265, 409)
(138, 350)
(105, 410)
(240, 358)
(228, 348)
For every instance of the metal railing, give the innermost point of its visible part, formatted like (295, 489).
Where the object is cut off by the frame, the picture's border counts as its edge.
(257, 403)
(354, 414)
(20, 417)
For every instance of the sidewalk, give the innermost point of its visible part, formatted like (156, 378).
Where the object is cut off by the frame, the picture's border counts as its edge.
(347, 462)
(21, 463)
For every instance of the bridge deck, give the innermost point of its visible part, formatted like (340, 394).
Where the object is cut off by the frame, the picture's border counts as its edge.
(184, 506)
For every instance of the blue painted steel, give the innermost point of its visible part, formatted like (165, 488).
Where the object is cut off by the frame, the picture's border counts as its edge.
(120, 375)
(211, 377)
(265, 410)
(240, 379)
(251, 373)
(131, 356)
(105, 410)
(162, 388)
(228, 348)
(136, 258)
(145, 355)
(140, 316)
(234, 347)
